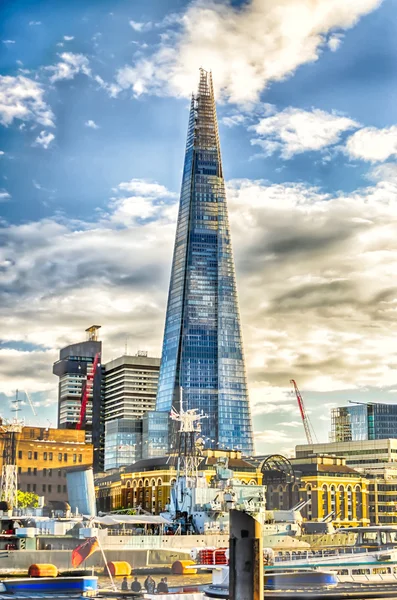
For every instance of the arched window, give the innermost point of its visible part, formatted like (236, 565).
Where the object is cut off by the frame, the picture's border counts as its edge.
(341, 493)
(152, 483)
(146, 482)
(324, 491)
(140, 483)
(349, 502)
(359, 502)
(159, 481)
(128, 485)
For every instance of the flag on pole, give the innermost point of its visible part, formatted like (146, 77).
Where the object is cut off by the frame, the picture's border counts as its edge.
(82, 552)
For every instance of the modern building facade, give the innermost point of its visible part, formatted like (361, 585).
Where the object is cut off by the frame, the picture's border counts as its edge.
(202, 350)
(42, 457)
(372, 421)
(129, 391)
(75, 363)
(367, 454)
(130, 386)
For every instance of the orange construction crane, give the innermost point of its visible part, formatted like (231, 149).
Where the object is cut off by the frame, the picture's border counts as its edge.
(87, 390)
(305, 418)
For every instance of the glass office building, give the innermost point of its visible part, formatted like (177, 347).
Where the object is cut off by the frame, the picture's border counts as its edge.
(202, 348)
(370, 421)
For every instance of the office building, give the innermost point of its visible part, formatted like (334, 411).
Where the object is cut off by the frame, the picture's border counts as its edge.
(368, 454)
(75, 363)
(130, 386)
(42, 456)
(372, 421)
(129, 389)
(202, 348)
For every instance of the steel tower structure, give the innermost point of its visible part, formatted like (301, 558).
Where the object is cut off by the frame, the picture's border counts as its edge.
(202, 348)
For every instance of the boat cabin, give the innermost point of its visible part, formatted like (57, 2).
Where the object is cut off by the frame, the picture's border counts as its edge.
(381, 536)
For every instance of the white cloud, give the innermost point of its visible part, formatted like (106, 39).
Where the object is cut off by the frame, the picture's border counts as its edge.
(315, 276)
(34, 22)
(246, 47)
(372, 144)
(68, 38)
(335, 42)
(2, 152)
(92, 124)
(143, 187)
(22, 98)
(233, 120)
(293, 131)
(4, 196)
(44, 139)
(70, 65)
(140, 27)
(8, 41)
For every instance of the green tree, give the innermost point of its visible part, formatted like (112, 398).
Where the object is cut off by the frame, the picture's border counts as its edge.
(27, 500)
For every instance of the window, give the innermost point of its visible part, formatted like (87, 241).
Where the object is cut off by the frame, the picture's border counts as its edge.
(30, 455)
(28, 487)
(34, 487)
(50, 488)
(19, 470)
(34, 470)
(44, 487)
(50, 455)
(29, 471)
(44, 455)
(65, 457)
(35, 455)
(80, 458)
(74, 458)
(59, 473)
(64, 489)
(59, 488)
(44, 472)
(60, 457)
(49, 472)
(20, 454)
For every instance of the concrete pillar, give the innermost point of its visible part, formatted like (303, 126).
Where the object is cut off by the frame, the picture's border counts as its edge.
(246, 558)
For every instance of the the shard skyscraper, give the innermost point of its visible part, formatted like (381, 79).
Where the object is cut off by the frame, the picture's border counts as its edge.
(202, 348)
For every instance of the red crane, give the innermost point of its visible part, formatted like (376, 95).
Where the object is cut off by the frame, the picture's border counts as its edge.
(305, 418)
(87, 390)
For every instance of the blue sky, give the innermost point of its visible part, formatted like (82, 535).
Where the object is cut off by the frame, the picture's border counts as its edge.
(94, 101)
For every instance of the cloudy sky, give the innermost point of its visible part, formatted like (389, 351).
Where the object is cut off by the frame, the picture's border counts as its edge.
(94, 100)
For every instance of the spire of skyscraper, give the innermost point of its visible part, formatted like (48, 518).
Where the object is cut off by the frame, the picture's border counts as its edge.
(202, 348)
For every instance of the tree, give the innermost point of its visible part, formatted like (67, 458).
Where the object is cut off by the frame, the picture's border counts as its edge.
(27, 500)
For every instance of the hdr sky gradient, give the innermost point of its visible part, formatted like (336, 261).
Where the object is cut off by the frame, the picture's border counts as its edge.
(94, 99)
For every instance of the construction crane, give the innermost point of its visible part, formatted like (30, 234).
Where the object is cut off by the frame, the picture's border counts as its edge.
(87, 390)
(9, 471)
(305, 418)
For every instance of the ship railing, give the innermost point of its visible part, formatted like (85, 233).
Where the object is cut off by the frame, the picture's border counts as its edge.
(308, 555)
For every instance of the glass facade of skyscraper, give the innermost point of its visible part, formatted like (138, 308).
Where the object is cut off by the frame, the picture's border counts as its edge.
(202, 349)
(370, 421)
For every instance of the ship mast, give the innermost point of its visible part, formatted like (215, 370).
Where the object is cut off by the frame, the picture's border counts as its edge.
(189, 454)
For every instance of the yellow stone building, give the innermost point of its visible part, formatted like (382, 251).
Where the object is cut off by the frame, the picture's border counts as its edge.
(329, 486)
(148, 483)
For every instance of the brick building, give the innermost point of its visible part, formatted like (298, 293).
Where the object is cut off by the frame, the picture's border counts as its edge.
(43, 454)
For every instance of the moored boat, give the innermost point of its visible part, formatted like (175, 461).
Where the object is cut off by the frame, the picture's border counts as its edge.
(51, 585)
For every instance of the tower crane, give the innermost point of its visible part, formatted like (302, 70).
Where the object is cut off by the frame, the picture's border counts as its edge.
(87, 390)
(305, 419)
(9, 471)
